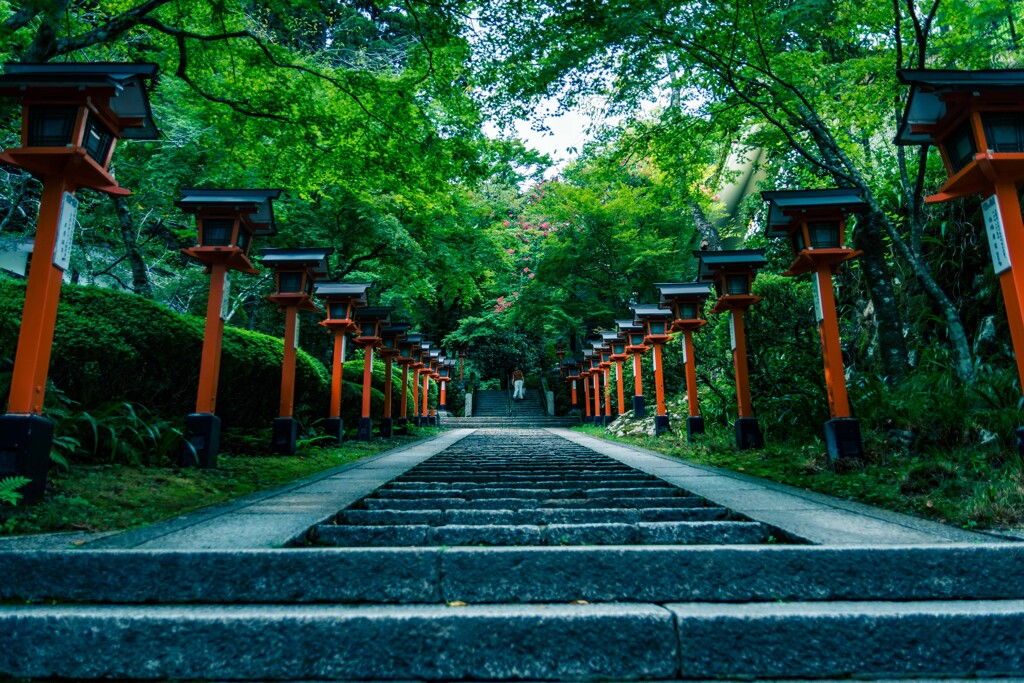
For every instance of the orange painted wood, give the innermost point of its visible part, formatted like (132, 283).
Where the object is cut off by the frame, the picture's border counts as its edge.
(213, 339)
(444, 390)
(621, 389)
(638, 385)
(367, 378)
(403, 408)
(597, 393)
(607, 393)
(337, 367)
(832, 352)
(415, 392)
(659, 380)
(291, 319)
(575, 396)
(1012, 280)
(426, 395)
(387, 386)
(739, 363)
(39, 316)
(586, 396)
(691, 375)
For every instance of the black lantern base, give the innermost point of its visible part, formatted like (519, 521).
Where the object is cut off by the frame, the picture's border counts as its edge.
(387, 427)
(334, 427)
(25, 442)
(842, 439)
(202, 441)
(285, 434)
(694, 426)
(608, 419)
(365, 429)
(1020, 440)
(661, 425)
(638, 407)
(748, 433)
(402, 425)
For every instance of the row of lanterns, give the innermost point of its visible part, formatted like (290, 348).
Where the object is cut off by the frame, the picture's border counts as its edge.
(74, 114)
(814, 223)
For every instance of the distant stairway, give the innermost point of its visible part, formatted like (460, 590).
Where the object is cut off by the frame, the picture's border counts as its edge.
(492, 409)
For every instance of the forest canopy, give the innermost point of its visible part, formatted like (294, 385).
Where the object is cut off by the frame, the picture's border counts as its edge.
(371, 116)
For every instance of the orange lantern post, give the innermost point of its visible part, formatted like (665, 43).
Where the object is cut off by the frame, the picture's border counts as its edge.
(417, 367)
(341, 300)
(406, 358)
(814, 222)
(619, 354)
(572, 373)
(295, 274)
(72, 116)
(656, 322)
(371, 321)
(686, 300)
(585, 373)
(391, 337)
(635, 335)
(732, 273)
(444, 372)
(976, 118)
(432, 374)
(602, 354)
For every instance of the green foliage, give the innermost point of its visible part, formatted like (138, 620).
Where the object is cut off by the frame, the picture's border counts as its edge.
(9, 486)
(115, 433)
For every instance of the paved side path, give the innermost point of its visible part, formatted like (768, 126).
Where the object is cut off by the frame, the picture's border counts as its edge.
(270, 519)
(813, 517)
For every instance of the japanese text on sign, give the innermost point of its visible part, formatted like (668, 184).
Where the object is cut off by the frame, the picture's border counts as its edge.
(65, 231)
(996, 234)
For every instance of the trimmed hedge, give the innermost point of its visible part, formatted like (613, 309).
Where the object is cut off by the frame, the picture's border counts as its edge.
(112, 346)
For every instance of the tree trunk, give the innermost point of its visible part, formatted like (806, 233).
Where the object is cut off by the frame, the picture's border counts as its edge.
(889, 326)
(710, 239)
(140, 275)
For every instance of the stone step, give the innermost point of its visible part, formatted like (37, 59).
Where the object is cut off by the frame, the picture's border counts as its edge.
(530, 503)
(438, 517)
(660, 574)
(537, 492)
(651, 533)
(552, 642)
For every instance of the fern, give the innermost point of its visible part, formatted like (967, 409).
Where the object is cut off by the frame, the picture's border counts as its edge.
(9, 489)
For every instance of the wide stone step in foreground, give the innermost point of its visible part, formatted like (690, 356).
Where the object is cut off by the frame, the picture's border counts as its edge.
(534, 490)
(442, 612)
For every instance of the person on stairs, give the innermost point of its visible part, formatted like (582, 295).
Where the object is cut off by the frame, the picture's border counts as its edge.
(518, 381)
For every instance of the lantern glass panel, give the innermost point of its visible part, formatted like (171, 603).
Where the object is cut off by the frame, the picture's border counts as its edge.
(636, 338)
(217, 232)
(960, 146)
(1004, 132)
(244, 237)
(824, 234)
(737, 284)
(389, 342)
(309, 285)
(687, 311)
(97, 140)
(289, 283)
(619, 348)
(657, 327)
(337, 311)
(51, 126)
(798, 241)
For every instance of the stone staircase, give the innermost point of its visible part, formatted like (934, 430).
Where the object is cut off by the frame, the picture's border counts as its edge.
(491, 409)
(514, 490)
(753, 611)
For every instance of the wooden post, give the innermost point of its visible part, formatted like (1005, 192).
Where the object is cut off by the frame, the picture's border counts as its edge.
(619, 387)
(337, 369)
(287, 405)
(386, 422)
(365, 421)
(832, 352)
(1012, 280)
(575, 396)
(607, 397)
(426, 399)
(691, 374)
(39, 316)
(415, 397)
(597, 397)
(213, 338)
(586, 400)
(739, 364)
(403, 408)
(638, 387)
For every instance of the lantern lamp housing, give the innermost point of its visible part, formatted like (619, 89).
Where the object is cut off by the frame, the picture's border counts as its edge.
(295, 273)
(731, 272)
(371, 320)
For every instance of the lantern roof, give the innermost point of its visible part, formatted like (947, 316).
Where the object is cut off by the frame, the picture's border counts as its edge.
(372, 314)
(313, 258)
(925, 106)
(784, 205)
(395, 329)
(344, 290)
(255, 203)
(683, 290)
(610, 336)
(130, 101)
(711, 262)
(626, 326)
(647, 312)
(588, 353)
(414, 338)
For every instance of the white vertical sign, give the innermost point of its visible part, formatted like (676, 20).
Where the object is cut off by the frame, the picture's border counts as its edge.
(732, 331)
(65, 231)
(819, 313)
(343, 337)
(683, 339)
(225, 297)
(654, 359)
(996, 234)
(297, 326)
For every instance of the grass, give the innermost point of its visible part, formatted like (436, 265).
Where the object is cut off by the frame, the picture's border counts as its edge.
(116, 497)
(975, 488)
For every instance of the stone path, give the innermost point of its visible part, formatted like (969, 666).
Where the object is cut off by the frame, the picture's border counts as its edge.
(872, 595)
